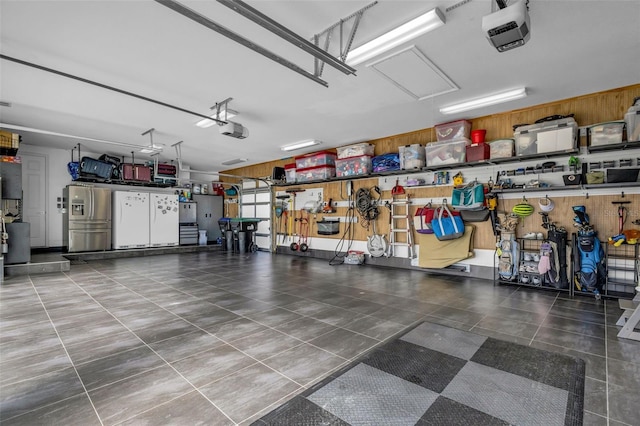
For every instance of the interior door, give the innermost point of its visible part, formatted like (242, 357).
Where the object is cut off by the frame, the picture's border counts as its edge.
(34, 184)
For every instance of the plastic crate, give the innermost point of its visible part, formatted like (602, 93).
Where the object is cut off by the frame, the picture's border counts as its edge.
(315, 173)
(412, 156)
(478, 152)
(316, 159)
(290, 172)
(453, 130)
(447, 152)
(606, 133)
(354, 166)
(386, 162)
(501, 148)
(548, 136)
(356, 150)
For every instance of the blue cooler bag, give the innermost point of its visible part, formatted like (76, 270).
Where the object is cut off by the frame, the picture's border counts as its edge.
(447, 226)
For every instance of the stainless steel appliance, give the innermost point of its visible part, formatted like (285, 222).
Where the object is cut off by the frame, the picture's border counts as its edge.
(87, 218)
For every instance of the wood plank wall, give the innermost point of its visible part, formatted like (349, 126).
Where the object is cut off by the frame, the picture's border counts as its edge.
(588, 109)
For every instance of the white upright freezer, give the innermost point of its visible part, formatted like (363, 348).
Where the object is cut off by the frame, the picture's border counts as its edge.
(164, 215)
(130, 219)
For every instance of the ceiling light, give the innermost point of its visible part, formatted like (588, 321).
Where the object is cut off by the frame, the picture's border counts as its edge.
(234, 161)
(224, 113)
(300, 145)
(402, 34)
(151, 149)
(486, 101)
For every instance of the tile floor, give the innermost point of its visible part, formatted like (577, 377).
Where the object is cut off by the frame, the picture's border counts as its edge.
(215, 338)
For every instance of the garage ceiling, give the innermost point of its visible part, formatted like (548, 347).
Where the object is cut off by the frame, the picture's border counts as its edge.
(576, 47)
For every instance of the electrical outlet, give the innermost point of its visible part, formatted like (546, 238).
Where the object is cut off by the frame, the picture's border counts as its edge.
(583, 131)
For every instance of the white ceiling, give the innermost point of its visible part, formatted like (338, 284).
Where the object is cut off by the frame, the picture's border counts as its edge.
(576, 47)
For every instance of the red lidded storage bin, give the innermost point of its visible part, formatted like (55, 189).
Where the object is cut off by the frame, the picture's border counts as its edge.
(478, 151)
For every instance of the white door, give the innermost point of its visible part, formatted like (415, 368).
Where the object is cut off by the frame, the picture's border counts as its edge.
(256, 203)
(34, 196)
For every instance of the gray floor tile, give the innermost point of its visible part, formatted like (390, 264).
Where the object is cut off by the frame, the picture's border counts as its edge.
(304, 364)
(595, 396)
(116, 367)
(578, 342)
(305, 328)
(22, 397)
(623, 404)
(511, 327)
(274, 317)
(574, 326)
(266, 343)
(214, 364)
(185, 345)
(128, 398)
(439, 338)
(28, 367)
(106, 346)
(76, 410)
(344, 343)
(166, 330)
(243, 394)
(190, 409)
(375, 328)
(236, 329)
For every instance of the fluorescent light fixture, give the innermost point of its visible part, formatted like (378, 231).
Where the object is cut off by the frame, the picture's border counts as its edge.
(497, 98)
(234, 161)
(402, 34)
(300, 145)
(204, 123)
(151, 149)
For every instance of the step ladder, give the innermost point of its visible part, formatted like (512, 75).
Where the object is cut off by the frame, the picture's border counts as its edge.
(400, 223)
(630, 318)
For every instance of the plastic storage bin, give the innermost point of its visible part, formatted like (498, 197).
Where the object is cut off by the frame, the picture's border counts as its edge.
(386, 162)
(290, 172)
(446, 152)
(478, 152)
(354, 166)
(316, 159)
(453, 130)
(315, 173)
(328, 227)
(606, 133)
(548, 136)
(412, 156)
(355, 150)
(632, 118)
(501, 148)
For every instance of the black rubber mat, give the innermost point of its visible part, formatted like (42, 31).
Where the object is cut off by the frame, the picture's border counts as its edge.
(437, 375)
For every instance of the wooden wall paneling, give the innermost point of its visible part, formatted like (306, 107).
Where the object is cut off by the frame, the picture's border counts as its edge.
(588, 109)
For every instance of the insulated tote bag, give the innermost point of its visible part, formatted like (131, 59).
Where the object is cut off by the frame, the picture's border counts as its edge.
(446, 226)
(468, 197)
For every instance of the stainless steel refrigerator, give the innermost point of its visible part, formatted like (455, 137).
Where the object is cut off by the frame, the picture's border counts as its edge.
(87, 218)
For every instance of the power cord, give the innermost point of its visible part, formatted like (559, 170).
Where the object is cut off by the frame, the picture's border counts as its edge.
(347, 235)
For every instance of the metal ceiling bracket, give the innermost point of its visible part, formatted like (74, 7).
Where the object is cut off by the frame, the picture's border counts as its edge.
(283, 32)
(345, 46)
(203, 20)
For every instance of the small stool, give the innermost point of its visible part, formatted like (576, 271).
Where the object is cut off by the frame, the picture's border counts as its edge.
(202, 237)
(630, 317)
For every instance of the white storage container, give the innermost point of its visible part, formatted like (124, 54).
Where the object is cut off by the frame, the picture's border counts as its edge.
(290, 172)
(632, 118)
(355, 150)
(453, 130)
(548, 136)
(412, 156)
(606, 133)
(446, 152)
(501, 148)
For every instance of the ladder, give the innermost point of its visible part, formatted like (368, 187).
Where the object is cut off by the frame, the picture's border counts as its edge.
(400, 222)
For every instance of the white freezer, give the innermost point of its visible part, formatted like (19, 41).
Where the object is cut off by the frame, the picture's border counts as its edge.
(164, 227)
(130, 220)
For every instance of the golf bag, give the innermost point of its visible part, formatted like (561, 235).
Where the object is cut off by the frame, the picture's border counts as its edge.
(591, 272)
(508, 257)
(557, 276)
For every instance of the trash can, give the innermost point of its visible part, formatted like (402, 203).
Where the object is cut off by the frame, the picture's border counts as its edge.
(242, 241)
(202, 237)
(227, 234)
